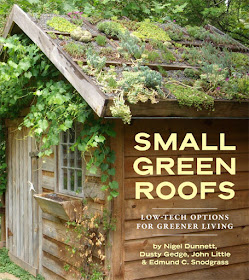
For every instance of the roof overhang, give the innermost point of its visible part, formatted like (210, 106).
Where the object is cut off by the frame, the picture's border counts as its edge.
(100, 103)
(69, 69)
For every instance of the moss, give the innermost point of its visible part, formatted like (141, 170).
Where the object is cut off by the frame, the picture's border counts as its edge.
(147, 30)
(61, 24)
(191, 97)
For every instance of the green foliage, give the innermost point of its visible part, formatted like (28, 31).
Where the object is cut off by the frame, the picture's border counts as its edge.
(76, 17)
(111, 28)
(61, 24)
(28, 78)
(6, 265)
(81, 35)
(75, 50)
(152, 79)
(239, 60)
(191, 73)
(95, 61)
(189, 96)
(152, 56)
(199, 33)
(233, 18)
(52, 35)
(237, 88)
(130, 43)
(147, 30)
(166, 54)
(141, 84)
(175, 32)
(214, 75)
(208, 54)
(101, 40)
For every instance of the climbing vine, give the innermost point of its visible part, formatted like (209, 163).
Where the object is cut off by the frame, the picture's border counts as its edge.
(27, 78)
(86, 239)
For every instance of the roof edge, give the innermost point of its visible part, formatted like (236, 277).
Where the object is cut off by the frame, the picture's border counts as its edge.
(69, 69)
(171, 108)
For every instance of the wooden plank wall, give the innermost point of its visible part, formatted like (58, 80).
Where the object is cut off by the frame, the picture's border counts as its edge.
(234, 241)
(22, 226)
(55, 247)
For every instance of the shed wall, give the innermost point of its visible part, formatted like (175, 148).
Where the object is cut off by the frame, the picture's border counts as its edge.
(133, 241)
(55, 245)
(38, 241)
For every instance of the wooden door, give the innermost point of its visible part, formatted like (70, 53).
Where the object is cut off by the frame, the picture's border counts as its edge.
(22, 211)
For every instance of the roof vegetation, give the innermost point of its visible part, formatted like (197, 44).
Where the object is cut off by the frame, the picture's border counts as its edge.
(148, 61)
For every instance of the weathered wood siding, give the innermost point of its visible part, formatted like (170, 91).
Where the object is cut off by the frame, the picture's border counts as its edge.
(129, 210)
(22, 211)
(55, 247)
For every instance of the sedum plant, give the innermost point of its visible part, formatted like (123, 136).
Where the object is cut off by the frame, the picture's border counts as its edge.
(130, 44)
(101, 40)
(147, 30)
(61, 24)
(111, 28)
(94, 61)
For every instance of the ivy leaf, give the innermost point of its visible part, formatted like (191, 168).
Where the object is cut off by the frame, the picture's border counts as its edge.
(112, 157)
(104, 166)
(93, 169)
(104, 177)
(99, 139)
(109, 197)
(111, 172)
(104, 188)
(114, 193)
(113, 185)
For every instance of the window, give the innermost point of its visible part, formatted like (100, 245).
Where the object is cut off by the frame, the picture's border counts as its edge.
(71, 165)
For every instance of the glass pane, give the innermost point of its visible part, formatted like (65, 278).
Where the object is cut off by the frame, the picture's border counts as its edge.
(64, 174)
(72, 180)
(79, 159)
(64, 137)
(79, 181)
(64, 155)
(71, 156)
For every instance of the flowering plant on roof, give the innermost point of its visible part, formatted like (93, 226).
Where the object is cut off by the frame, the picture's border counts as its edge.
(76, 17)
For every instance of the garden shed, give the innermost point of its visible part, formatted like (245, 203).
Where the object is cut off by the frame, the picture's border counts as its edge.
(200, 78)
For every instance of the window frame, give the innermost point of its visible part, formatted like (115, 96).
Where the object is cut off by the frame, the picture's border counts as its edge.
(70, 170)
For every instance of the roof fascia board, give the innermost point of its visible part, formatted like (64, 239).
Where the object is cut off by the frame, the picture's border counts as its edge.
(70, 70)
(171, 108)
